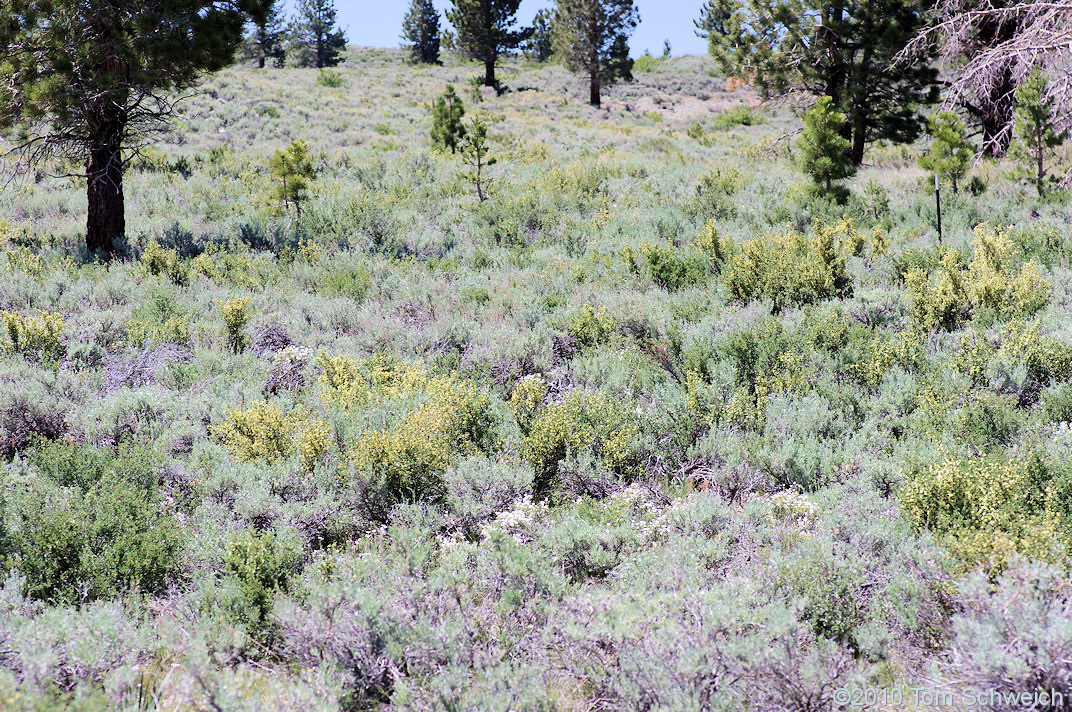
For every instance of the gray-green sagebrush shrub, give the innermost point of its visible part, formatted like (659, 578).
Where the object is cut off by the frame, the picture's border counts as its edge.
(1015, 637)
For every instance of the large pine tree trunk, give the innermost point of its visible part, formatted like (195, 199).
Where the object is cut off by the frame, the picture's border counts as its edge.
(593, 89)
(489, 71)
(856, 152)
(105, 221)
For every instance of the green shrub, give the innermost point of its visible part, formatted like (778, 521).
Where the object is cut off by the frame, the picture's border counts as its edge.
(330, 79)
(670, 268)
(738, 116)
(581, 185)
(1048, 244)
(1057, 405)
(987, 420)
(790, 268)
(829, 583)
(351, 282)
(92, 526)
(158, 320)
(714, 193)
(262, 565)
(755, 351)
(646, 63)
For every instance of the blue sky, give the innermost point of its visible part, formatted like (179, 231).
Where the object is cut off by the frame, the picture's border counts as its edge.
(378, 23)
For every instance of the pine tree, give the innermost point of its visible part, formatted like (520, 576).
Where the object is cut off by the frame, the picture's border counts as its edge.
(484, 31)
(618, 66)
(539, 45)
(474, 152)
(714, 19)
(592, 36)
(293, 168)
(1034, 125)
(266, 42)
(93, 101)
(319, 40)
(447, 114)
(420, 31)
(950, 152)
(831, 48)
(824, 151)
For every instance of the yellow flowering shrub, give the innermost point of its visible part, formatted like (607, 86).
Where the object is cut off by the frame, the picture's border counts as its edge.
(232, 266)
(235, 318)
(453, 420)
(262, 432)
(879, 242)
(347, 382)
(259, 433)
(791, 268)
(173, 330)
(23, 259)
(314, 441)
(582, 421)
(993, 289)
(527, 398)
(987, 509)
(159, 260)
(1044, 358)
(590, 327)
(988, 289)
(39, 338)
(711, 243)
(884, 351)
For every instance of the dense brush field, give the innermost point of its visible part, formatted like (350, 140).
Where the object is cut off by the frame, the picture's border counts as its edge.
(651, 428)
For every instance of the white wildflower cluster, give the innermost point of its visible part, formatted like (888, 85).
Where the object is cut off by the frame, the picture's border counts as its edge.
(451, 540)
(635, 499)
(793, 509)
(1062, 437)
(670, 519)
(518, 521)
